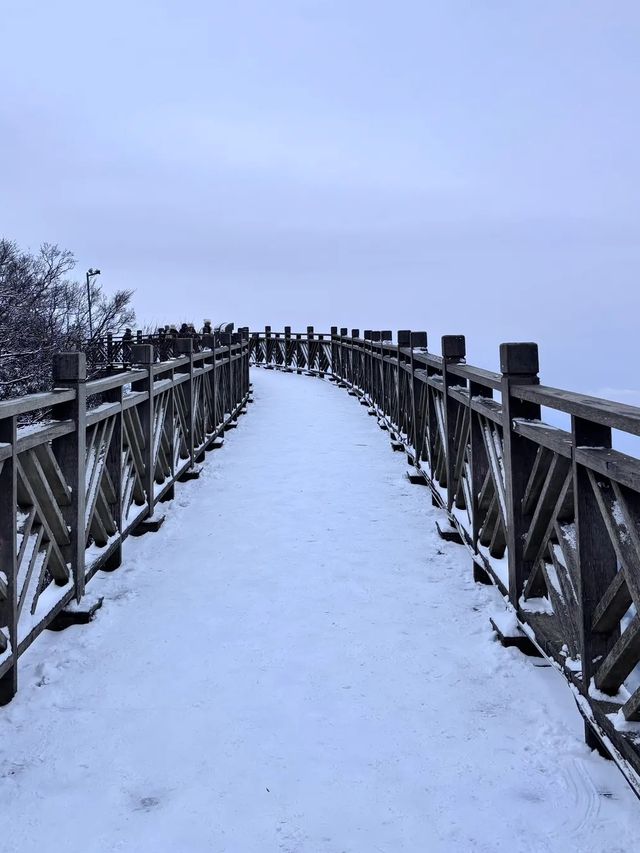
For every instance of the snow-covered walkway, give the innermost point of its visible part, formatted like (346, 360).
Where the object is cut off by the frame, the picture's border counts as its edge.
(296, 662)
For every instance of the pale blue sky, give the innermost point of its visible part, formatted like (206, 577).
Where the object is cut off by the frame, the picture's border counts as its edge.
(456, 166)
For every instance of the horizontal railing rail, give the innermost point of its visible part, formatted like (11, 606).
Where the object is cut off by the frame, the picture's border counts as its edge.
(75, 485)
(551, 516)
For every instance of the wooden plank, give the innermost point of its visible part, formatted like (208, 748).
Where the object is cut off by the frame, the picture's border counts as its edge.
(24, 578)
(619, 526)
(25, 533)
(478, 375)
(556, 440)
(108, 383)
(105, 412)
(631, 708)
(610, 463)
(595, 409)
(613, 605)
(32, 481)
(58, 564)
(34, 402)
(488, 408)
(536, 479)
(42, 434)
(559, 471)
(621, 660)
(54, 475)
(491, 441)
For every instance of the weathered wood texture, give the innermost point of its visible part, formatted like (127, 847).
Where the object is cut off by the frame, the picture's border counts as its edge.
(74, 486)
(553, 516)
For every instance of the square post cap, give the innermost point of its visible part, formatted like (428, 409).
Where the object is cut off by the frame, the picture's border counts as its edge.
(309, 330)
(520, 359)
(142, 354)
(334, 330)
(69, 367)
(404, 338)
(419, 340)
(344, 331)
(355, 333)
(454, 347)
(184, 346)
(386, 335)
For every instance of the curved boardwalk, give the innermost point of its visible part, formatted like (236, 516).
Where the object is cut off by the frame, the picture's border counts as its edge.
(295, 662)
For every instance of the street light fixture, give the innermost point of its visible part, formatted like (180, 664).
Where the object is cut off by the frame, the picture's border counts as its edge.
(91, 273)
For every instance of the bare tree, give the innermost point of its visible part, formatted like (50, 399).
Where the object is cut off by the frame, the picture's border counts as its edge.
(43, 310)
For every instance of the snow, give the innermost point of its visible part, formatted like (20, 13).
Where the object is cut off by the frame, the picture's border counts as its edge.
(535, 605)
(296, 662)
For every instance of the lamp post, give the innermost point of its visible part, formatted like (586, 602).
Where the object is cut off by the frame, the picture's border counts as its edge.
(91, 273)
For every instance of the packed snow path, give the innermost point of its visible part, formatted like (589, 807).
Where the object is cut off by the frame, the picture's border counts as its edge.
(296, 662)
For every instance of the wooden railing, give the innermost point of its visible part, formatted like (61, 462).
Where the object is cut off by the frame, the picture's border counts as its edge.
(551, 516)
(109, 351)
(75, 484)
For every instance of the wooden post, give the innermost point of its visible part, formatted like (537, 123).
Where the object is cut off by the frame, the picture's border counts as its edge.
(596, 557)
(268, 345)
(355, 357)
(403, 341)
(418, 341)
(385, 337)
(366, 364)
(208, 342)
(454, 350)
(311, 350)
(8, 527)
(333, 350)
(245, 362)
(478, 461)
(299, 353)
(142, 357)
(233, 371)
(342, 353)
(519, 366)
(184, 347)
(287, 346)
(114, 468)
(70, 371)
(375, 372)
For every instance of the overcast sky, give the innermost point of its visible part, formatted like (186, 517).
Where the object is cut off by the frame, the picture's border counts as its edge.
(452, 166)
